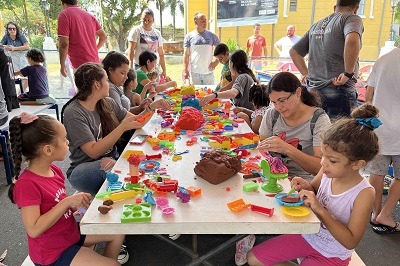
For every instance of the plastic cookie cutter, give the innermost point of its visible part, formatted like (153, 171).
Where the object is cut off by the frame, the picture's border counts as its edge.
(237, 205)
(263, 210)
(163, 204)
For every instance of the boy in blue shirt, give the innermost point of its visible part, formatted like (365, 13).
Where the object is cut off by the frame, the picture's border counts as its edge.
(221, 53)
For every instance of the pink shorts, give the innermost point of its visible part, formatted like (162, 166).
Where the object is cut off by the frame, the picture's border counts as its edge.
(289, 247)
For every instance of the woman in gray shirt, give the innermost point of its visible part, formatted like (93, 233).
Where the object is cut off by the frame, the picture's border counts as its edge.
(291, 130)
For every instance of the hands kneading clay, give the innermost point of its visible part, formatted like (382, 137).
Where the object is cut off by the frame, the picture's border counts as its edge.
(216, 166)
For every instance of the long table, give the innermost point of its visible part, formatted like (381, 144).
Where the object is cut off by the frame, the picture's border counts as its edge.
(205, 214)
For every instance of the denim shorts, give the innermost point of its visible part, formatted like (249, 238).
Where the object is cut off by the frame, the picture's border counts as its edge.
(68, 255)
(380, 164)
(202, 79)
(338, 101)
(87, 177)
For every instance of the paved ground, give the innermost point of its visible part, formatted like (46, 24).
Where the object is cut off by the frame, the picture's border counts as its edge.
(148, 250)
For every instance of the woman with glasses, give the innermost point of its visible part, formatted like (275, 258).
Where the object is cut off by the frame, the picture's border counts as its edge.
(146, 38)
(15, 44)
(291, 129)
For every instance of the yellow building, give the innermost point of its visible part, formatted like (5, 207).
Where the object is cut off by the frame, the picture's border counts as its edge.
(376, 16)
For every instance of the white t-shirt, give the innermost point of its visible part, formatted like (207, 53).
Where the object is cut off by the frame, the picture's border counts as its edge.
(145, 41)
(286, 44)
(385, 79)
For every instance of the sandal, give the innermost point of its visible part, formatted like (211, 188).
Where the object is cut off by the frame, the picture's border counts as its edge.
(384, 229)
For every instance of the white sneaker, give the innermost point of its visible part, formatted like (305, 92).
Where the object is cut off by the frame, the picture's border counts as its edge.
(174, 236)
(242, 247)
(123, 256)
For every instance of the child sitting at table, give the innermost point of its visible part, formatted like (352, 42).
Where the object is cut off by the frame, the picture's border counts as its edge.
(39, 192)
(129, 86)
(259, 98)
(37, 79)
(221, 52)
(339, 196)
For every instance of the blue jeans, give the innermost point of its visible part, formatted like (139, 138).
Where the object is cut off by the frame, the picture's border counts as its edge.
(202, 79)
(338, 101)
(87, 177)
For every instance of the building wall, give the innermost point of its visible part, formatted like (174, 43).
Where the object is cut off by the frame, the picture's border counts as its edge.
(376, 19)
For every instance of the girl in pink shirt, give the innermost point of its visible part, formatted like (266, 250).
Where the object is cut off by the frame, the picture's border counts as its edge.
(339, 196)
(39, 192)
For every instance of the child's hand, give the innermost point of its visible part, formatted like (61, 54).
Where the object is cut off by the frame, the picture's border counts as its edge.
(172, 84)
(79, 200)
(206, 99)
(299, 183)
(146, 102)
(150, 86)
(311, 200)
(151, 95)
(237, 110)
(161, 104)
(242, 115)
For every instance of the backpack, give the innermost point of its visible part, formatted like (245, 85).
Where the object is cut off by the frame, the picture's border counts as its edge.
(314, 118)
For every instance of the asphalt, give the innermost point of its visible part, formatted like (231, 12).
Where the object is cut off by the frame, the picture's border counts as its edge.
(149, 250)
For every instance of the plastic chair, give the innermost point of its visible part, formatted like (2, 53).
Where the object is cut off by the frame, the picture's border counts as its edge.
(288, 67)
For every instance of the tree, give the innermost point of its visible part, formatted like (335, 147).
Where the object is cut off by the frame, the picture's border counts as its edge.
(174, 5)
(161, 4)
(120, 16)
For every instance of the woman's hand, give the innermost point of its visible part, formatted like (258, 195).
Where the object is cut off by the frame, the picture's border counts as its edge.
(150, 86)
(206, 99)
(161, 104)
(172, 84)
(274, 144)
(131, 122)
(299, 183)
(79, 200)
(243, 116)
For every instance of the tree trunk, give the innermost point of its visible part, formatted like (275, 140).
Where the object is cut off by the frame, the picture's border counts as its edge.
(173, 23)
(25, 11)
(161, 26)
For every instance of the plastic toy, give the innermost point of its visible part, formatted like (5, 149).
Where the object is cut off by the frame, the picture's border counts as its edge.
(163, 204)
(262, 210)
(104, 209)
(149, 198)
(237, 205)
(130, 152)
(154, 157)
(271, 185)
(149, 165)
(182, 152)
(134, 161)
(164, 186)
(183, 194)
(176, 158)
(123, 195)
(142, 118)
(193, 191)
(250, 187)
(136, 213)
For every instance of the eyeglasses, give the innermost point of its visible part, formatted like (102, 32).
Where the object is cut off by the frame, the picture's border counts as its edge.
(282, 100)
(12, 28)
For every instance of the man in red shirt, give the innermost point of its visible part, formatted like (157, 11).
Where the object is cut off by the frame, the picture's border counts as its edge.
(256, 44)
(78, 32)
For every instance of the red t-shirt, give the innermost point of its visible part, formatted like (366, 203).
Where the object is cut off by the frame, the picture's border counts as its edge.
(256, 45)
(32, 189)
(81, 28)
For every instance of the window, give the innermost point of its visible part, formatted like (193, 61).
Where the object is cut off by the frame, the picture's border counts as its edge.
(293, 5)
(361, 8)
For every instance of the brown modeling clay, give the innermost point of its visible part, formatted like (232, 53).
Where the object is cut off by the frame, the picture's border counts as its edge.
(104, 209)
(290, 199)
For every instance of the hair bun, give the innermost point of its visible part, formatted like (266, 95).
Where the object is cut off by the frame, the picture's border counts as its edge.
(366, 110)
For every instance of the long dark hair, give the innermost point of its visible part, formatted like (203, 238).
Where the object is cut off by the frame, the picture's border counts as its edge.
(17, 36)
(114, 60)
(86, 75)
(288, 82)
(146, 55)
(258, 95)
(27, 139)
(240, 63)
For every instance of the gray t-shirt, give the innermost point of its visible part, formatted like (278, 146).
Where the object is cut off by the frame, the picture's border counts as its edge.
(84, 126)
(243, 84)
(324, 42)
(301, 132)
(119, 97)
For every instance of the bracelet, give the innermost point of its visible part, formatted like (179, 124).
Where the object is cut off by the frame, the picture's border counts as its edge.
(216, 95)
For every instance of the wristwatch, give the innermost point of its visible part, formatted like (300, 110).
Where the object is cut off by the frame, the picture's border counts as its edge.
(349, 75)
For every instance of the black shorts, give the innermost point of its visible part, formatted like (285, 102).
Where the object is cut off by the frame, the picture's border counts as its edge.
(68, 255)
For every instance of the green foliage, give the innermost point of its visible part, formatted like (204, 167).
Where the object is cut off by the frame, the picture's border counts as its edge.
(232, 45)
(37, 42)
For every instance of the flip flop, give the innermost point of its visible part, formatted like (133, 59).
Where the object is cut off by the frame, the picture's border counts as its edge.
(387, 229)
(376, 224)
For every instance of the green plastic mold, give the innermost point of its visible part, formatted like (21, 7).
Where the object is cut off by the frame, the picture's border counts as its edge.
(136, 213)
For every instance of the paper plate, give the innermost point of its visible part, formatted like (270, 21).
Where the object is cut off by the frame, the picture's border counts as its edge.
(296, 211)
(279, 197)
